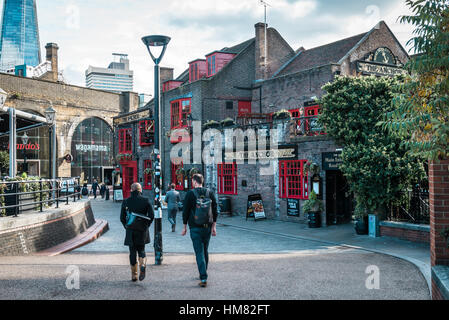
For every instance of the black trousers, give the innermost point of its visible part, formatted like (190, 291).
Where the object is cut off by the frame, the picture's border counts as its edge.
(134, 251)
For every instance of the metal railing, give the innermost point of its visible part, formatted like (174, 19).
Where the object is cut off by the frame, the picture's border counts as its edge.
(17, 197)
(414, 209)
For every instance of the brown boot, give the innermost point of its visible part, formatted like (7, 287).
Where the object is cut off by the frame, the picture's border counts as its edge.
(134, 272)
(142, 264)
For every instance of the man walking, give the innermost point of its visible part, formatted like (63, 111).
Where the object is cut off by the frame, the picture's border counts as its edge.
(200, 212)
(137, 234)
(94, 188)
(172, 198)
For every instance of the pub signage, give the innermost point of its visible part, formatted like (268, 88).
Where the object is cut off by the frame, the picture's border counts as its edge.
(332, 161)
(381, 62)
(132, 117)
(261, 155)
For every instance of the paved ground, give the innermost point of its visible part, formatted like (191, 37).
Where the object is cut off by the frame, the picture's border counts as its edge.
(249, 261)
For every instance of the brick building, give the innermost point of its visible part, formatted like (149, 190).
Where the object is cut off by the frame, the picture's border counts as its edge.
(83, 120)
(241, 84)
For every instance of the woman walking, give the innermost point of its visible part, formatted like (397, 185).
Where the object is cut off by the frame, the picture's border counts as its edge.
(137, 234)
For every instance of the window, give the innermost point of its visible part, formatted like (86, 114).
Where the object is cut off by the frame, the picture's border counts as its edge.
(147, 165)
(180, 110)
(125, 141)
(227, 178)
(146, 132)
(229, 105)
(177, 177)
(293, 183)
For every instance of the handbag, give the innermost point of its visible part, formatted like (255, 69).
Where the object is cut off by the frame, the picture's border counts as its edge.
(180, 205)
(134, 222)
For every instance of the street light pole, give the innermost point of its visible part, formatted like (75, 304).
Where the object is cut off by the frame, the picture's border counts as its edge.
(25, 143)
(50, 115)
(157, 41)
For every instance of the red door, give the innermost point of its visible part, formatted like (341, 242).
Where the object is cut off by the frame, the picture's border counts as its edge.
(129, 176)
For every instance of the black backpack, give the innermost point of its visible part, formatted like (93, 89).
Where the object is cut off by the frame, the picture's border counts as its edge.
(202, 213)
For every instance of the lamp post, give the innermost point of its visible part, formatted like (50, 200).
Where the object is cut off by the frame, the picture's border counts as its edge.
(157, 41)
(50, 115)
(25, 139)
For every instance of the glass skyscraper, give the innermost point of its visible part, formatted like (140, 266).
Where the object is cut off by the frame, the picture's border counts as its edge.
(19, 42)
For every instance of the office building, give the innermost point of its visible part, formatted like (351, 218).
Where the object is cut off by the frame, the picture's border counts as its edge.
(117, 77)
(19, 41)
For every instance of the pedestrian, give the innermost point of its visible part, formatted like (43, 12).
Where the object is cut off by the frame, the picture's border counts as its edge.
(94, 188)
(85, 191)
(102, 190)
(200, 213)
(137, 234)
(172, 198)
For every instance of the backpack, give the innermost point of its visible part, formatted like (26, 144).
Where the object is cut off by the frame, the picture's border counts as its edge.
(203, 208)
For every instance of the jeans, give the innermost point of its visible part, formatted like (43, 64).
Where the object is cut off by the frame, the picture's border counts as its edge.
(172, 215)
(200, 239)
(133, 251)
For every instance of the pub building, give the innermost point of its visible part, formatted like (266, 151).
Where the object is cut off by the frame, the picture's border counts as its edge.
(242, 86)
(134, 137)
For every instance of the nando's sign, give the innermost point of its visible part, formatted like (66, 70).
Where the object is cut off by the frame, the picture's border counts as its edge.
(29, 146)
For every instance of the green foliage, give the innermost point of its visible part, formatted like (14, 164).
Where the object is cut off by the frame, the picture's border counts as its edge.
(4, 162)
(422, 103)
(313, 204)
(282, 114)
(374, 163)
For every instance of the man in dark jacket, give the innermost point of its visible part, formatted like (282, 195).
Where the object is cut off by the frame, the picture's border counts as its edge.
(137, 234)
(94, 188)
(200, 234)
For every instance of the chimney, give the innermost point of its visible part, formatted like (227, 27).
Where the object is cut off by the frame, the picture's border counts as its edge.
(166, 74)
(52, 56)
(260, 51)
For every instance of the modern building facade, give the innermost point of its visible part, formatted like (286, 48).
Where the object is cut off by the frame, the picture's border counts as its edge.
(19, 41)
(117, 77)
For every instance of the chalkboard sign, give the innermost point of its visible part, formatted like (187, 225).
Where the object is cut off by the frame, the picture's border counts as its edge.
(255, 208)
(118, 195)
(293, 207)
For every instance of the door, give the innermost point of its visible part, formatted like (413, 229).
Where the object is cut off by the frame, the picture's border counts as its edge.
(107, 175)
(338, 199)
(129, 177)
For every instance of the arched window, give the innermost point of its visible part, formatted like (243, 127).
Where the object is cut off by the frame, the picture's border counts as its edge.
(92, 149)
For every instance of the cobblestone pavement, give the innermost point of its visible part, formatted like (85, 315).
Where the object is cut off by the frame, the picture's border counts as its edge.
(244, 265)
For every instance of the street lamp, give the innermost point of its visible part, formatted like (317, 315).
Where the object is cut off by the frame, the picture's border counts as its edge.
(50, 115)
(25, 139)
(157, 41)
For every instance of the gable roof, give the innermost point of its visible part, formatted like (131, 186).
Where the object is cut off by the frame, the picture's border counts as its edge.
(319, 56)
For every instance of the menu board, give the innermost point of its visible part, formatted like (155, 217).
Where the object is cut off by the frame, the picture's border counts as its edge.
(293, 207)
(255, 208)
(118, 195)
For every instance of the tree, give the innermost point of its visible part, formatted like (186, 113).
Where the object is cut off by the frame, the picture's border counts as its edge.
(422, 102)
(374, 163)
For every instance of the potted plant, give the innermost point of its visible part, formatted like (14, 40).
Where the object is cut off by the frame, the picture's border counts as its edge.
(211, 124)
(228, 122)
(313, 208)
(282, 115)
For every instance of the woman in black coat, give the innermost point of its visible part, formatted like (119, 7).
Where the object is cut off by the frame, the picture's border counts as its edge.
(137, 234)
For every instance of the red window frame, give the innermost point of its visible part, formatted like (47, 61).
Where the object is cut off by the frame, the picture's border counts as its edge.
(145, 126)
(227, 178)
(125, 141)
(179, 112)
(293, 183)
(147, 164)
(178, 180)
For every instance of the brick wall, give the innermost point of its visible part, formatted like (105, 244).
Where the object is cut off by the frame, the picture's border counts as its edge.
(40, 236)
(405, 234)
(440, 283)
(439, 211)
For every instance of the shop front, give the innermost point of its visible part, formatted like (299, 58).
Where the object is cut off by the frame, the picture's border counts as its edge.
(92, 151)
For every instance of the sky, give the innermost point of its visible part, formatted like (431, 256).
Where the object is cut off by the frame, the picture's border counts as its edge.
(89, 31)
